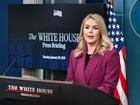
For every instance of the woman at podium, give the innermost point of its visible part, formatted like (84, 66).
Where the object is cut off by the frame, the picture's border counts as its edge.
(94, 62)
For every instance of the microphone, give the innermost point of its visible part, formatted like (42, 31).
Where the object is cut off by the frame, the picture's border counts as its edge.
(11, 64)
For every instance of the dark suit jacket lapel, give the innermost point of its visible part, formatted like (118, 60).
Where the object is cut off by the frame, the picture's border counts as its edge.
(90, 69)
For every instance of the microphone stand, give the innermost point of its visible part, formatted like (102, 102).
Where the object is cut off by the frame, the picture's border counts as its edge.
(25, 55)
(9, 67)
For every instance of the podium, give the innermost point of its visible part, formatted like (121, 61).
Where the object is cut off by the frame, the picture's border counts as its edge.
(19, 91)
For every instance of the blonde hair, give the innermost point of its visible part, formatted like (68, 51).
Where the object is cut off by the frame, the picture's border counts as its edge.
(105, 42)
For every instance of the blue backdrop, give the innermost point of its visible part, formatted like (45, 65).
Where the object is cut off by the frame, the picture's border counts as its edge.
(46, 33)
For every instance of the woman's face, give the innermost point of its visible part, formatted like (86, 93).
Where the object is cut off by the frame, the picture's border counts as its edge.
(91, 32)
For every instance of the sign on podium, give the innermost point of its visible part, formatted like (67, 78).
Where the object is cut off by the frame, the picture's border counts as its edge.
(20, 91)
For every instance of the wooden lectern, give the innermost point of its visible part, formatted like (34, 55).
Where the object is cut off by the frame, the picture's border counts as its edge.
(19, 91)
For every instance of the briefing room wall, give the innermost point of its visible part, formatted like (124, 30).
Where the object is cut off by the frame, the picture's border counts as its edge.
(4, 36)
(128, 15)
(132, 32)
